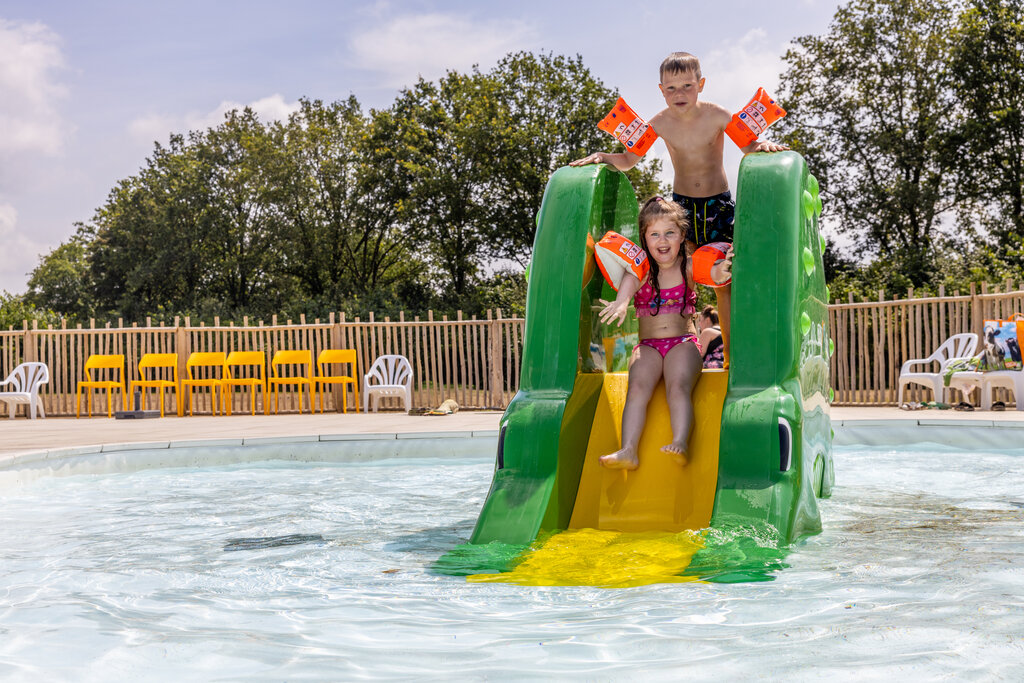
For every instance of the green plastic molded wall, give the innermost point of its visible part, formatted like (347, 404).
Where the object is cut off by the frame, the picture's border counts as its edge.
(780, 352)
(545, 428)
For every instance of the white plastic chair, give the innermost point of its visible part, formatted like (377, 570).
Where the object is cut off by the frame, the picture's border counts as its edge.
(25, 382)
(959, 346)
(388, 376)
(1010, 379)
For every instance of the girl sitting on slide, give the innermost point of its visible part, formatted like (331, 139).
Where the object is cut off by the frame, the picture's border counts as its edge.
(665, 304)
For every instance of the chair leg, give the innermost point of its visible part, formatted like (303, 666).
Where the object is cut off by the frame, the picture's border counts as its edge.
(986, 395)
(899, 394)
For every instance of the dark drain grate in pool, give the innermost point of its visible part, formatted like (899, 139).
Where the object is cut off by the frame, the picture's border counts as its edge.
(271, 542)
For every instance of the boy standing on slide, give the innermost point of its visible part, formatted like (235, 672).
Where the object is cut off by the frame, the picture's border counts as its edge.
(694, 133)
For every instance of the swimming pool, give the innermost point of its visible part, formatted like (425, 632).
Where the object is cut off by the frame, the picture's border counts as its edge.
(919, 572)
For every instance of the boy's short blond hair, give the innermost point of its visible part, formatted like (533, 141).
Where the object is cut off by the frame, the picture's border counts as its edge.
(680, 62)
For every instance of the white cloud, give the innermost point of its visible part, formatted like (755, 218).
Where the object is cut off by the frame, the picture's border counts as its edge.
(735, 73)
(428, 45)
(19, 252)
(159, 126)
(8, 218)
(30, 62)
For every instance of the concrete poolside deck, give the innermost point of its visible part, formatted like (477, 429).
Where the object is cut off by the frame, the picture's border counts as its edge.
(22, 435)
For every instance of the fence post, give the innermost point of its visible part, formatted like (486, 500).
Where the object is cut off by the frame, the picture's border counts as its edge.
(29, 341)
(497, 379)
(181, 347)
(337, 389)
(976, 312)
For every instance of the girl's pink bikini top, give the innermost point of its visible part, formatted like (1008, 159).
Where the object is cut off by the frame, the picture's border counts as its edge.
(679, 299)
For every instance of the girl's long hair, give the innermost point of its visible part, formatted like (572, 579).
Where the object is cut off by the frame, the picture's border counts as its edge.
(653, 209)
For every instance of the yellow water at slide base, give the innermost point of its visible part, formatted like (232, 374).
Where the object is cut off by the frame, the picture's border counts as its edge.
(633, 528)
(659, 495)
(610, 559)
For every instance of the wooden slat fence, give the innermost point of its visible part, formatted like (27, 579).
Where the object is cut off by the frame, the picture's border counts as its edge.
(474, 361)
(477, 362)
(874, 338)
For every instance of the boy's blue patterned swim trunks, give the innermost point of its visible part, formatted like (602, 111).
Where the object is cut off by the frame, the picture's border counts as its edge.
(711, 218)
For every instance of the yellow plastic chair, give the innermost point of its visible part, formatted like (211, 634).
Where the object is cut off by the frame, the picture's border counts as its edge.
(299, 359)
(158, 361)
(203, 359)
(333, 357)
(255, 360)
(102, 362)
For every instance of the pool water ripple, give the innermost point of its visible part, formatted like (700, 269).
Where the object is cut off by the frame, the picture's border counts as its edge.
(917, 573)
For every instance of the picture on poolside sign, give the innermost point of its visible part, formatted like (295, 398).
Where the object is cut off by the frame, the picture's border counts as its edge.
(1001, 344)
(623, 124)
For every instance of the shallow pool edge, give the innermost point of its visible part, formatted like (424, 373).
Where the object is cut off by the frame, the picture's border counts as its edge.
(21, 468)
(950, 433)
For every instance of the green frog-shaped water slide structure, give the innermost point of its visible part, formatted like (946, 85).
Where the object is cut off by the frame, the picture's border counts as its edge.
(760, 452)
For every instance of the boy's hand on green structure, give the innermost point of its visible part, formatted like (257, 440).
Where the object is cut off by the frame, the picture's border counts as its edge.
(595, 158)
(765, 146)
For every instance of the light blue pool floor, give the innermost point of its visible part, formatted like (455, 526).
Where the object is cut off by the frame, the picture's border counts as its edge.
(919, 573)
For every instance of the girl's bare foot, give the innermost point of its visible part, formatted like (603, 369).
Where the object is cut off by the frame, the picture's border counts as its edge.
(624, 459)
(678, 453)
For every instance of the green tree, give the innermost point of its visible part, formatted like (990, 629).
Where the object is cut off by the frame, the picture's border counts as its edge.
(15, 310)
(342, 198)
(406, 207)
(144, 245)
(480, 148)
(870, 106)
(988, 67)
(62, 281)
(440, 150)
(249, 270)
(539, 113)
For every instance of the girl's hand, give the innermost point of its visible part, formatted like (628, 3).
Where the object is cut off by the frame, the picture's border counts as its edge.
(721, 272)
(613, 310)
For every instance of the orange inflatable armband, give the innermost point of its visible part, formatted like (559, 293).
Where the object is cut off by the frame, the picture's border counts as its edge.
(617, 256)
(704, 258)
(761, 112)
(623, 124)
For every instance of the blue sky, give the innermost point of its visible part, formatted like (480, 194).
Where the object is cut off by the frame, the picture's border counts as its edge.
(87, 87)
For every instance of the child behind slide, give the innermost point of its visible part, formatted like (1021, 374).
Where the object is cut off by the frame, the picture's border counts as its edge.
(665, 304)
